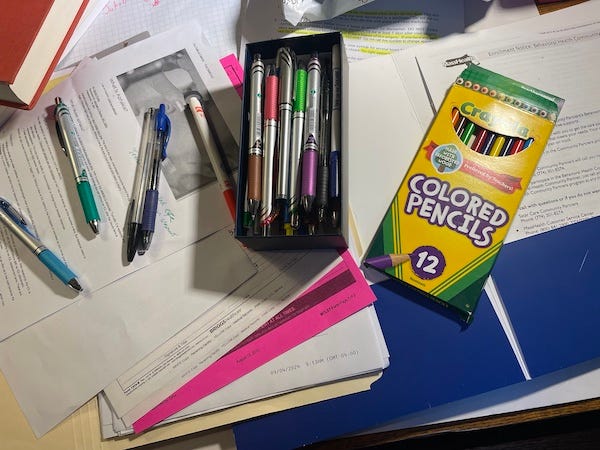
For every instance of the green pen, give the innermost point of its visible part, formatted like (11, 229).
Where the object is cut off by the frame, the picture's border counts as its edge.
(65, 128)
(298, 111)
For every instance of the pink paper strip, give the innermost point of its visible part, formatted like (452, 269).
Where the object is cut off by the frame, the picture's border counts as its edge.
(234, 71)
(295, 324)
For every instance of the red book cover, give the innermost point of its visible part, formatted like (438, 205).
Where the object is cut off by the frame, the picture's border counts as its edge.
(20, 23)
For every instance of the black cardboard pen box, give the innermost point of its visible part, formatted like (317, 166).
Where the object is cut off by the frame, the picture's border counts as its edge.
(299, 201)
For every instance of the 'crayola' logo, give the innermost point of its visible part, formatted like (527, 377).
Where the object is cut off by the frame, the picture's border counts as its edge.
(495, 120)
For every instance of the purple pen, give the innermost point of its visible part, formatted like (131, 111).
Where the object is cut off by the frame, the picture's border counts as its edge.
(310, 155)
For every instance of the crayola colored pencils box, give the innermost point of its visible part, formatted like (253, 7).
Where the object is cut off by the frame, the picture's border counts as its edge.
(448, 220)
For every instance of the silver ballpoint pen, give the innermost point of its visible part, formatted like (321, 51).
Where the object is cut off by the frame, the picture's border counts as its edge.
(16, 224)
(255, 143)
(286, 64)
(67, 136)
(136, 204)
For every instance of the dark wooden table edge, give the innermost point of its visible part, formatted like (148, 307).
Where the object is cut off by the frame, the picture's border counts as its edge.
(555, 415)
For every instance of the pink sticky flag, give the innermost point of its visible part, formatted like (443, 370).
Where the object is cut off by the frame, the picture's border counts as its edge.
(234, 71)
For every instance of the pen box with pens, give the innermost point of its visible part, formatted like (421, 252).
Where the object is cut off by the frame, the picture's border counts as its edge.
(450, 216)
(291, 170)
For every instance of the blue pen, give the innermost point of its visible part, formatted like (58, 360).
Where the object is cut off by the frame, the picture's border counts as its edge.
(17, 225)
(334, 154)
(162, 131)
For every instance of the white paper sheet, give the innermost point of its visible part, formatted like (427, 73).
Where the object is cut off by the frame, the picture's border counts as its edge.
(379, 27)
(92, 10)
(122, 20)
(281, 277)
(60, 363)
(482, 14)
(107, 100)
(352, 347)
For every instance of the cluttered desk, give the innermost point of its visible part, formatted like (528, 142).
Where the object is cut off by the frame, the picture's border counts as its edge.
(197, 233)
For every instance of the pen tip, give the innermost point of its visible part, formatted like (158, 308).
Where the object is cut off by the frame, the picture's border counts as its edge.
(74, 284)
(94, 226)
(321, 214)
(334, 218)
(57, 100)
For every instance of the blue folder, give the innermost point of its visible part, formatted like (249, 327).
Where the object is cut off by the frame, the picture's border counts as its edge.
(548, 286)
(434, 360)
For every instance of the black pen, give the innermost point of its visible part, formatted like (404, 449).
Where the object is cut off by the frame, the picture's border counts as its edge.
(323, 169)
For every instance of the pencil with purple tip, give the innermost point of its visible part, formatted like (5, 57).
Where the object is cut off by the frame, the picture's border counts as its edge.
(386, 261)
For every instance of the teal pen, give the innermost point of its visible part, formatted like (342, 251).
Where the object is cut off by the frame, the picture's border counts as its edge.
(67, 136)
(16, 224)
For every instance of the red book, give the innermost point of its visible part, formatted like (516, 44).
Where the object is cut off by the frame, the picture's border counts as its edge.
(33, 35)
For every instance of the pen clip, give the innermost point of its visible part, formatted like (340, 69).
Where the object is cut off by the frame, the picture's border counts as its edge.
(13, 214)
(60, 139)
(163, 128)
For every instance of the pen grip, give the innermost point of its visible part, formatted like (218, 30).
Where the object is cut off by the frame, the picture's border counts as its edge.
(334, 174)
(309, 172)
(56, 266)
(84, 189)
(254, 177)
(150, 207)
(322, 186)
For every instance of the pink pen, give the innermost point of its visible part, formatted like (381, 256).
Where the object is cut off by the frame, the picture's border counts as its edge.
(271, 111)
